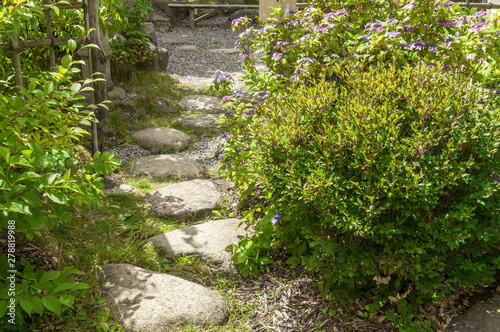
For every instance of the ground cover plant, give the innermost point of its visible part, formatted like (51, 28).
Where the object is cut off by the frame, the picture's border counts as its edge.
(375, 149)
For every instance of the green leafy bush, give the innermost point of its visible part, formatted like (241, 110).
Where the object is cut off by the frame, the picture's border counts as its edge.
(37, 292)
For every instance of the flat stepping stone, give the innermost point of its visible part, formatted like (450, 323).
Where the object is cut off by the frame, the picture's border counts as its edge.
(208, 240)
(174, 41)
(224, 51)
(161, 140)
(186, 201)
(484, 316)
(168, 166)
(198, 121)
(187, 48)
(201, 104)
(150, 301)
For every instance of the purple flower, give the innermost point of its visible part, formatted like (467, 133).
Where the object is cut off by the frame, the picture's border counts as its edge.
(225, 137)
(364, 37)
(373, 26)
(340, 12)
(479, 26)
(496, 93)
(418, 45)
(335, 57)
(410, 5)
(276, 218)
(446, 23)
(227, 99)
(479, 13)
(409, 28)
(447, 42)
(311, 60)
(495, 176)
(304, 37)
(291, 12)
(276, 56)
(391, 34)
(446, 67)
(244, 33)
(301, 20)
(448, 4)
(237, 21)
(392, 21)
(296, 73)
(250, 112)
(282, 43)
(432, 48)
(239, 95)
(329, 15)
(405, 45)
(244, 55)
(264, 94)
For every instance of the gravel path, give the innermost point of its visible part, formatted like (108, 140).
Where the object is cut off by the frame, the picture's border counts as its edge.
(214, 33)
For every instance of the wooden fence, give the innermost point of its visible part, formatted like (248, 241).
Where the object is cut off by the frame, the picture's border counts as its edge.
(96, 59)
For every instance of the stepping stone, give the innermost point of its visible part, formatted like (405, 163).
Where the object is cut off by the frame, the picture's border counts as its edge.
(187, 201)
(484, 316)
(150, 301)
(201, 104)
(174, 41)
(208, 241)
(224, 51)
(187, 48)
(161, 140)
(121, 189)
(198, 121)
(168, 167)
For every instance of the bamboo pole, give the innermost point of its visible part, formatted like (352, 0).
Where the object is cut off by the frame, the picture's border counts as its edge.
(41, 42)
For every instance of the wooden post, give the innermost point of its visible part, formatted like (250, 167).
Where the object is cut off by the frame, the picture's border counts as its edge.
(50, 35)
(17, 59)
(98, 60)
(191, 18)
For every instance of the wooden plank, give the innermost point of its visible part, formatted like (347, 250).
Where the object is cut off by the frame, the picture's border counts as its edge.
(74, 5)
(41, 42)
(209, 6)
(206, 15)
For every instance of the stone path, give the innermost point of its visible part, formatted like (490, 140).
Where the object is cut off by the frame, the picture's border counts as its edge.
(150, 301)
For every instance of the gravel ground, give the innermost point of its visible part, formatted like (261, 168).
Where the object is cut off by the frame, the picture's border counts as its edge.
(214, 33)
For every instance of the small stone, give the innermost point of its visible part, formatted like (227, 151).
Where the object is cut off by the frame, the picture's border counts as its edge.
(118, 96)
(187, 48)
(161, 139)
(150, 301)
(121, 189)
(168, 166)
(208, 241)
(187, 201)
(201, 104)
(163, 104)
(198, 121)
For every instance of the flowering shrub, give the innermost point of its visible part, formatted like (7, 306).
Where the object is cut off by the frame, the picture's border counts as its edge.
(304, 45)
(376, 142)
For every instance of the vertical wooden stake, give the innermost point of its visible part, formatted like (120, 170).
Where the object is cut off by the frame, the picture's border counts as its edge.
(50, 35)
(17, 59)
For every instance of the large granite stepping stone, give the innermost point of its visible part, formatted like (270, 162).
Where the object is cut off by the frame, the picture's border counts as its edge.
(198, 121)
(185, 201)
(201, 104)
(484, 316)
(150, 301)
(161, 140)
(208, 240)
(168, 166)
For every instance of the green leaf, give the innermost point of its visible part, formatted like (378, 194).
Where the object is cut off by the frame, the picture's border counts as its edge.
(63, 287)
(72, 45)
(49, 275)
(80, 285)
(66, 60)
(67, 300)
(52, 303)
(37, 304)
(3, 308)
(26, 305)
(48, 87)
